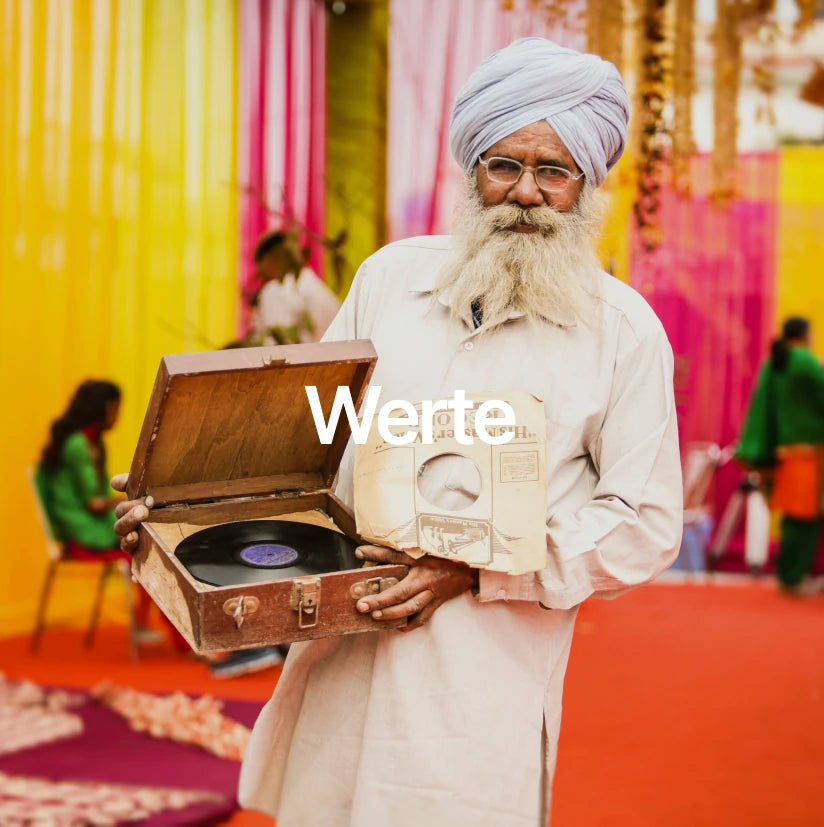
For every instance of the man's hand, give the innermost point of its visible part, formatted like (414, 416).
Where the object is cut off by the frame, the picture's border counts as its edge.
(430, 582)
(131, 514)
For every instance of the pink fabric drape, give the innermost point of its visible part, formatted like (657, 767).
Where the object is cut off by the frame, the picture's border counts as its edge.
(712, 284)
(282, 128)
(423, 83)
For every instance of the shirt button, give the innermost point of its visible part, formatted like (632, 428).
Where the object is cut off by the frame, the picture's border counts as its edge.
(501, 594)
(468, 345)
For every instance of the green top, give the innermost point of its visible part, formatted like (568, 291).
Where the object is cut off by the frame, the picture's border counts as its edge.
(66, 491)
(786, 408)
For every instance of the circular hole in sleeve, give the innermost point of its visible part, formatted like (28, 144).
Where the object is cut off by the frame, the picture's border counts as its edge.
(450, 482)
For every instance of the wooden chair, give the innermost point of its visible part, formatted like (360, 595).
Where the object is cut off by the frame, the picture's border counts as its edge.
(57, 556)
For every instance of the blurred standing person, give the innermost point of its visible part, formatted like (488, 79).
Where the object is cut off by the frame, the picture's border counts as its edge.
(784, 431)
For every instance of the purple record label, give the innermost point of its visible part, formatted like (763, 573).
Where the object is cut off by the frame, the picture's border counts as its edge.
(268, 555)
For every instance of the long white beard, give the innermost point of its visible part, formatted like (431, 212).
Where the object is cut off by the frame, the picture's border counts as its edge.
(549, 275)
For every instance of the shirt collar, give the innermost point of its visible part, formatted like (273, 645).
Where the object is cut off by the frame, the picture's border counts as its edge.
(425, 282)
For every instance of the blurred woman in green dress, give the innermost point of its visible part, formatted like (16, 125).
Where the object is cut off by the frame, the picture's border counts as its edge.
(73, 485)
(72, 477)
(783, 436)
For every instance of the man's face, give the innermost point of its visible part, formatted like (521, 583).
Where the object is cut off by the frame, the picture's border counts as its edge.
(279, 262)
(270, 267)
(534, 145)
(520, 248)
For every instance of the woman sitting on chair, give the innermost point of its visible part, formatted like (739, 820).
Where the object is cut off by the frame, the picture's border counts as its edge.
(73, 484)
(72, 478)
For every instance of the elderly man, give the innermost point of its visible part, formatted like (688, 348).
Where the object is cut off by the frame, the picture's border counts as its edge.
(456, 721)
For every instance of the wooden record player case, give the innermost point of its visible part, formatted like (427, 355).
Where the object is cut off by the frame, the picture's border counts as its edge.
(228, 435)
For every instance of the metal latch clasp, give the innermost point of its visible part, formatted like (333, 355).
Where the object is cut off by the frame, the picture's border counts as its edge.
(305, 600)
(374, 585)
(238, 607)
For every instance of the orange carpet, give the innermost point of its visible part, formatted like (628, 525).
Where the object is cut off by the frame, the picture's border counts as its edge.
(685, 706)
(694, 706)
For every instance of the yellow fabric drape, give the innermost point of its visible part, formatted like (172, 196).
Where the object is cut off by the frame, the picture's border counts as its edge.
(118, 231)
(615, 240)
(800, 247)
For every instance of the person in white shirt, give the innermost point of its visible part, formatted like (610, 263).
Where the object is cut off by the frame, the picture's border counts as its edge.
(291, 304)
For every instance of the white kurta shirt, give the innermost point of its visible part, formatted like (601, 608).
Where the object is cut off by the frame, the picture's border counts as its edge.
(457, 722)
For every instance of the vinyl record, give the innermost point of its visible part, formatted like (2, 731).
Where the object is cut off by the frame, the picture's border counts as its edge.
(259, 551)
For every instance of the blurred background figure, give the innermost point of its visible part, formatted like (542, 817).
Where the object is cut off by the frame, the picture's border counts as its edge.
(783, 436)
(290, 304)
(73, 484)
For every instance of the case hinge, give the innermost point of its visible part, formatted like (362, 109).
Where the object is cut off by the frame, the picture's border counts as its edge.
(305, 600)
(374, 585)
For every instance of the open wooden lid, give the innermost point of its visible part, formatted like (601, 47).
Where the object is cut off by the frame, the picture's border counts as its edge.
(237, 423)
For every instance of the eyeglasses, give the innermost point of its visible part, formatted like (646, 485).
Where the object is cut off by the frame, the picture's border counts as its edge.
(509, 171)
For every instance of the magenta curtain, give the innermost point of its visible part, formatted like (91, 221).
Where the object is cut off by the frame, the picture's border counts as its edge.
(281, 126)
(433, 48)
(712, 284)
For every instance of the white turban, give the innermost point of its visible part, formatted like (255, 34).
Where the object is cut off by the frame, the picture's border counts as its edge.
(581, 96)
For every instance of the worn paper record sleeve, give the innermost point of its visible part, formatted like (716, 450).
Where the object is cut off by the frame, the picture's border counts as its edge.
(260, 551)
(483, 504)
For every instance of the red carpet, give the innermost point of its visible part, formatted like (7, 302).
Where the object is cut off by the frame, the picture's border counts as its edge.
(686, 706)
